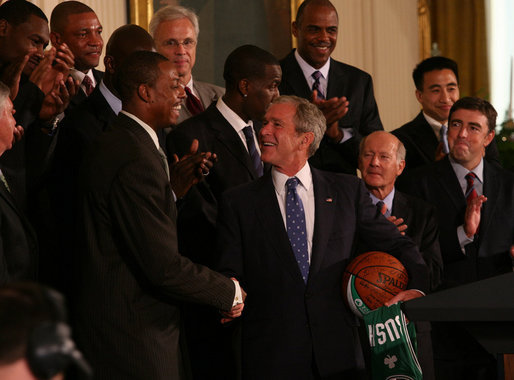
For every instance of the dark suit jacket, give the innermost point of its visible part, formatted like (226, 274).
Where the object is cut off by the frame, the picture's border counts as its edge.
(362, 116)
(76, 133)
(18, 243)
(234, 167)
(24, 163)
(422, 228)
(488, 255)
(421, 143)
(131, 277)
(286, 323)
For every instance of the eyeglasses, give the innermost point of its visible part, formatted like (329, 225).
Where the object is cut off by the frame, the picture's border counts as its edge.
(188, 43)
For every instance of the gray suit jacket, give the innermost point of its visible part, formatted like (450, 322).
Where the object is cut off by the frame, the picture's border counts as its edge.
(207, 92)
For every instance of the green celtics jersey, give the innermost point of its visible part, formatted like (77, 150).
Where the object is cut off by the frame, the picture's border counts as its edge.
(393, 345)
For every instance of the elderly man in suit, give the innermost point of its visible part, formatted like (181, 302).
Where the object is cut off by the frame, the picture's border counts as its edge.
(131, 277)
(76, 25)
(343, 92)
(18, 243)
(381, 161)
(175, 30)
(288, 237)
(425, 137)
(475, 203)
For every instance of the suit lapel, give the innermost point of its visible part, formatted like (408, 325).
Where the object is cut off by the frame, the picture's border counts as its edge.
(449, 182)
(204, 94)
(325, 201)
(426, 134)
(273, 225)
(336, 82)
(293, 74)
(227, 136)
(491, 191)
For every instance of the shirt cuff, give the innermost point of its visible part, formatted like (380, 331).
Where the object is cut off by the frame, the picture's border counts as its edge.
(347, 134)
(238, 297)
(463, 238)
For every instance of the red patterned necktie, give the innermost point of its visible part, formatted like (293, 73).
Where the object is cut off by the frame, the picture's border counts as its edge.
(193, 104)
(88, 84)
(471, 192)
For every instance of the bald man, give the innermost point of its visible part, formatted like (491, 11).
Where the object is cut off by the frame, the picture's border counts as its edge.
(381, 161)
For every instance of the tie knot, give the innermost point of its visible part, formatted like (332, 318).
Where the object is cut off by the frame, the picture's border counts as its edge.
(88, 84)
(316, 75)
(188, 91)
(292, 183)
(470, 178)
(248, 132)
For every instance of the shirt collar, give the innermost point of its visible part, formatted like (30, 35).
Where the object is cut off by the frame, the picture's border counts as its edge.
(308, 69)
(113, 101)
(436, 125)
(280, 179)
(145, 126)
(191, 86)
(233, 118)
(388, 200)
(79, 75)
(461, 171)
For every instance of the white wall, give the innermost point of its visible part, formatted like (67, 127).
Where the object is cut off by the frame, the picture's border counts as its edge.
(111, 13)
(381, 37)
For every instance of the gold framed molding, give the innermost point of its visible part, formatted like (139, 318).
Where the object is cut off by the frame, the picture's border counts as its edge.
(294, 7)
(141, 12)
(424, 31)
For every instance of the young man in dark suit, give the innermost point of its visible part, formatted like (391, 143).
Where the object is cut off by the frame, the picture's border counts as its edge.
(425, 137)
(288, 237)
(77, 131)
(343, 92)
(475, 203)
(131, 278)
(228, 128)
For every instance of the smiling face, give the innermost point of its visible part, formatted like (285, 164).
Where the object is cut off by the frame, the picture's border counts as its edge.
(316, 34)
(176, 40)
(280, 144)
(440, 91)
(468, 136)
(30, 37)
(261, 92)
(166, 97)
(83, 35)
(378, 163)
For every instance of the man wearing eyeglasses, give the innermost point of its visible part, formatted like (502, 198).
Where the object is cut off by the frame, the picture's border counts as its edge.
(175, 31)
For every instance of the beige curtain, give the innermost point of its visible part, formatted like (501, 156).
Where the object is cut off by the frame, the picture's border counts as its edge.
(458, 26)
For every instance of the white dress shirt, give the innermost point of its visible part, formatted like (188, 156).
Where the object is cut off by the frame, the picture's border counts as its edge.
(237, 123)
(305, 191)
(460, 172)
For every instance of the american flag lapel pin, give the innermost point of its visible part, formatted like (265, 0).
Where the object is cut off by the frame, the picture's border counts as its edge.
(329, 200)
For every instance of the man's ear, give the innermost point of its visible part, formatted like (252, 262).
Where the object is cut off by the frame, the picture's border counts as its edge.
(419, 95)
(294, 28)
(243, 86)
(109, 64)
(307, 139)
(55, 38)
(401, 166)
(143, 93)
(4, 27)
(489, 138)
